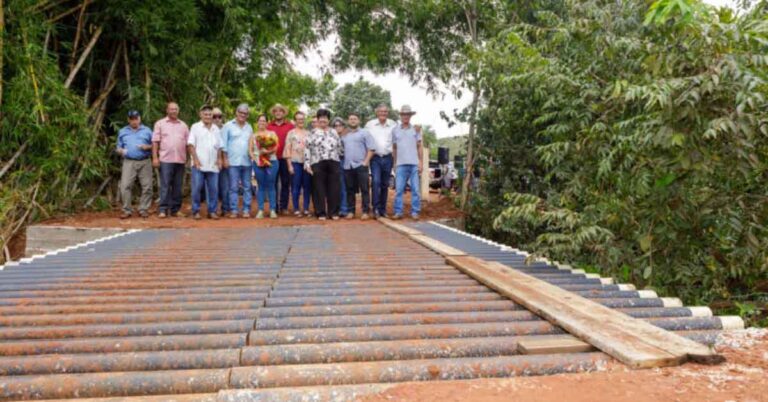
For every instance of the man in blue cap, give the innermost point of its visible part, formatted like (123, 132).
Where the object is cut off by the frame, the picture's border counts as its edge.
(134, 144)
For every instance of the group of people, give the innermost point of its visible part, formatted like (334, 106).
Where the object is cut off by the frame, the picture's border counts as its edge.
(323, 162)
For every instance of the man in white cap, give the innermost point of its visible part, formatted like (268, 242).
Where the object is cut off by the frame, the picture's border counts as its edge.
(281, 127)
(407, 154)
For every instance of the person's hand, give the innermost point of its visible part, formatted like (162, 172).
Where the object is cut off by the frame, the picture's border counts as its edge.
(155, 162)
(196, 163)
(308, 169)
(366, 163)
(225, 164)
(290, 169)
(121, 151)
(145, 147)
(421, 168)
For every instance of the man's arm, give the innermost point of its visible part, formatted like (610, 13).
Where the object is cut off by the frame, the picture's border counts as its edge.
(156, 146)
(394, 154)
(120, 148)
(193, 155)
(224, 141)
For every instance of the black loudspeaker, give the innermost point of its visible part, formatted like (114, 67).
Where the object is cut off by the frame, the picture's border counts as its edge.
(442, 156)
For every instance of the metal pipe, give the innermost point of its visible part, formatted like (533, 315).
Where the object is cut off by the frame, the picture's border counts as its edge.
(394, 319)
(394, 332)
(413, 370)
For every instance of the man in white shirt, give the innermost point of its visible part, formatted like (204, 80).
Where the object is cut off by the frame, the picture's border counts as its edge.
(204, 146)
(381, 164)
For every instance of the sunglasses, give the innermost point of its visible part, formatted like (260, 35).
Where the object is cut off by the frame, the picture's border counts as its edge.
(217, 116)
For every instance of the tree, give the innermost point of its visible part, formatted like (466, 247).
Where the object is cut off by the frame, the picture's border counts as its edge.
(633, 140)
(362, 97)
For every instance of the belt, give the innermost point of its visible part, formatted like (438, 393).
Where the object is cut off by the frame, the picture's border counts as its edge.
(132, 159)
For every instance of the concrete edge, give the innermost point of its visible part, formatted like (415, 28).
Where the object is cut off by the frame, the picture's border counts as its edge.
(28, 260)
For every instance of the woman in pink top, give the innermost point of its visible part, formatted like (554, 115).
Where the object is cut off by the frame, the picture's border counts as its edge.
(294, 152)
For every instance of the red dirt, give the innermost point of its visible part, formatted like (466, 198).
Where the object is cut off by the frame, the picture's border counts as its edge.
(744, 377)
(438, 207)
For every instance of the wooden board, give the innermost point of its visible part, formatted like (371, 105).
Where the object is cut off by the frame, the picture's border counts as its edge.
(398, 227)
(629, 340)
(553, 344)
(437, 246)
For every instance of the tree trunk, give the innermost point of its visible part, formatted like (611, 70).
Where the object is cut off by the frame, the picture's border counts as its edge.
(469, 166)
(471, 14)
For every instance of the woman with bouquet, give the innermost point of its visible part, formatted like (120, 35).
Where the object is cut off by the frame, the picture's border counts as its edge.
(263, 150)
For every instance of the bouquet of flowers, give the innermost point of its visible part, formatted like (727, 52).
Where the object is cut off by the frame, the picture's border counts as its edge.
(268, 146)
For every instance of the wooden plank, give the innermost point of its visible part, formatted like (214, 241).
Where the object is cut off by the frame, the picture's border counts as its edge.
(399, 228)
(424, 179)
(631, 341)
(553, 344)
(437, 246)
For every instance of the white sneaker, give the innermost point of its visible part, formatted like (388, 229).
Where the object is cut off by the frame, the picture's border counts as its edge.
(260, 215)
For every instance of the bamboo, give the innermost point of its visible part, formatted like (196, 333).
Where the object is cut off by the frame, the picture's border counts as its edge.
(101, 188)
(80, 20)
(110, 82)
(15, 156)
(68, 12)
(32, 75)
(127, 63)
(147, 88)
(83, 56)
(43, 6)
(2, 55)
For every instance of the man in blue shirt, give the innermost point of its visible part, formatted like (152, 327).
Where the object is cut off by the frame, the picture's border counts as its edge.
(234, 141)
(134, 144)
(407, 154)
(359, 148)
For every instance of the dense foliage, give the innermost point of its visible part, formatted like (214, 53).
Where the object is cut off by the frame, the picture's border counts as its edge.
(632, 140)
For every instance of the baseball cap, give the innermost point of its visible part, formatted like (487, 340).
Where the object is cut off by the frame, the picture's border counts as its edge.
(133, 113)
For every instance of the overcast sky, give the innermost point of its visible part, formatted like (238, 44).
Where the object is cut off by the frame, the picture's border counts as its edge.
(427, 107)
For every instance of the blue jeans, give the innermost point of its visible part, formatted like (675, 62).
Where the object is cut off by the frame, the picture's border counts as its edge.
(238, 174)
(302, 183)
(381, 169)
(171, 175)
(408, 173)
(209, 180)
(266, 177)
(284, 178)
(224, 189)
(343, 207)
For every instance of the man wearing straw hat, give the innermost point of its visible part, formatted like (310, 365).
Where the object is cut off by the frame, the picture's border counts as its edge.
(281, 127)
(407, 154)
